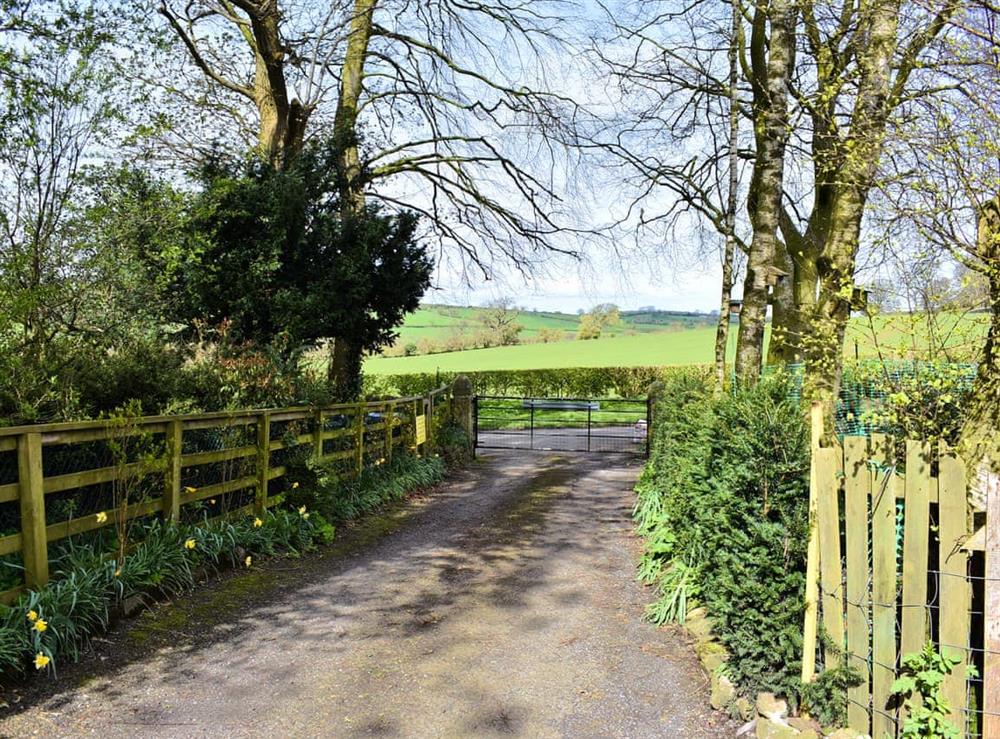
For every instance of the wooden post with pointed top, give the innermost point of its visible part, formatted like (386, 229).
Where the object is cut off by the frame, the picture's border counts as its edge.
(810, 627)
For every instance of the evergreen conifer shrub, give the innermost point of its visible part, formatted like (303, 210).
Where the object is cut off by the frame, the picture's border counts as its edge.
(723, 507)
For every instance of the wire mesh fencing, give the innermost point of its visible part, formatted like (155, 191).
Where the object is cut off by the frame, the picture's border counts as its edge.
(905, 561)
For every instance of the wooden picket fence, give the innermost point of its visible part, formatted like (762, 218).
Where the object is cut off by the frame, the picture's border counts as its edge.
(903, 559)
(351, 435)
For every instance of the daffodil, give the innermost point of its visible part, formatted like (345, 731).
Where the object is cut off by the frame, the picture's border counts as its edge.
(305, 516)
(302, 510)
(248, 561)
(118, 572)
(102, 517)
(190, 544)
(189, 489)
(294, 485)
(32, 615)
(41, 661)
(257, 523)
(41, 625)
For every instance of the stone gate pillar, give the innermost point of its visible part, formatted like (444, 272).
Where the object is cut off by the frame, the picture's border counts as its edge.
(461, 397)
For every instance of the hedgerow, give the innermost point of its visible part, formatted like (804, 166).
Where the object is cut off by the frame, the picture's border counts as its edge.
(723, 507)
(570, 382)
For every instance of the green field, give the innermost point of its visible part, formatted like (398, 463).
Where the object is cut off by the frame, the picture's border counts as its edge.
(894, 336)
(694, 346)
(435, 322)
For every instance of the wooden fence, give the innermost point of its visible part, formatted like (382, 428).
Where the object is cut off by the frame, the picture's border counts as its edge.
(903, 559)
(228, 463)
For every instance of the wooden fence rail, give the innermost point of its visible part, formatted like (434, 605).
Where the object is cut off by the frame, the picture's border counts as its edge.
(902, 560)
(356, 434)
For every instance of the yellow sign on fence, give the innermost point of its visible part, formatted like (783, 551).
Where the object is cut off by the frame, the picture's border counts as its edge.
(421, 431)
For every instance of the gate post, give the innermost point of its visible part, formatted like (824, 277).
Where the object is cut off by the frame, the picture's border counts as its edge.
(462, 403)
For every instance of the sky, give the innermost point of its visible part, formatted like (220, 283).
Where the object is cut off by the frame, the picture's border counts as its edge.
(568, 286)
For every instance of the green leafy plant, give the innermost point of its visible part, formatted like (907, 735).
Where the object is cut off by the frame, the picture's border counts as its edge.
(723, 509)
(918, 685)
(323, 489)
(59, 620)
(826, 697)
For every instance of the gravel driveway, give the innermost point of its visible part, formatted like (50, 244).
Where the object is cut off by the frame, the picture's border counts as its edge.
(501, 603)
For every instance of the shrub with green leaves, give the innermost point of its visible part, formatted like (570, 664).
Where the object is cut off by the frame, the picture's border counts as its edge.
(567, 382)
(723, 508)
(919, 687)
(323, 489)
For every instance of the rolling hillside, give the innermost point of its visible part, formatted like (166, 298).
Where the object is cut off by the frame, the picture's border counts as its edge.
(434, 322)
(894, 336)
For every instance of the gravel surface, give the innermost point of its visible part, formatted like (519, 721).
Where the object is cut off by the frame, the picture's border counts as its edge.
(501, 603)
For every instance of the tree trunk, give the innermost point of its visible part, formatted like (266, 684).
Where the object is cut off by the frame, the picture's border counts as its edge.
(979, 432)
(346, 366)
(344, 372)
(729, 255)
(345, 120)
(848, 170)
(282, 121)
(771, 129)
(783, 348)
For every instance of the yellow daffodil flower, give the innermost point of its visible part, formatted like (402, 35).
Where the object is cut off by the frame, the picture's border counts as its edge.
(41, 661)
(305, 516)
(189, 489)
(32, 615)
(41, 625)
(294, 485)
(302, 511)
(190, 544)
(257, 523)
(102, 517)
(248, 561)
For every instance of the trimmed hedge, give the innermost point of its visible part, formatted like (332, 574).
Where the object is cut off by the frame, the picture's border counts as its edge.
(723, 508)
(573, 382)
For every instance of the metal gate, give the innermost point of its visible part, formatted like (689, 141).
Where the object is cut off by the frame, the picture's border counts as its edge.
(562, 424)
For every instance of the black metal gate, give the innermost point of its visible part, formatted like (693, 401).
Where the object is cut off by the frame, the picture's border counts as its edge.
(562, 424)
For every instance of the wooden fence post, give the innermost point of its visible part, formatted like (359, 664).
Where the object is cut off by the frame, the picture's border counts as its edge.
(34, 545)
(991, 616)
(829, 463)
(857, 487)
(172, 479)
(916, 532)
(810, 626)
(318, 435)
(390, 425)
(884, 579)
(956, 594)
(359, 441)
(263, 462)
(429, 418)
